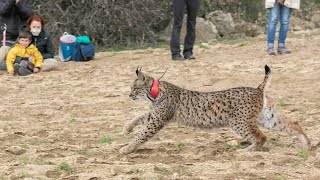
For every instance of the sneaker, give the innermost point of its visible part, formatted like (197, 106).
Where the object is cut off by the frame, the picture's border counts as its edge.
(283, 50)
(27, 64)
(177, 58)
(24, 71)
(271, 51)
(16, 68)
(24, 64)
(189, 57)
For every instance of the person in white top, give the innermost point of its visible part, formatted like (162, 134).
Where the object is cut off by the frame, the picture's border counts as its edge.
(279, 10)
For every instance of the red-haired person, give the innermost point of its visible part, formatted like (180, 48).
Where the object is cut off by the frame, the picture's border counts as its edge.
(42, 40)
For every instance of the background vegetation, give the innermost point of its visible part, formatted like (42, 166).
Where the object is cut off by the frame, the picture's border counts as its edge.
(137, 23)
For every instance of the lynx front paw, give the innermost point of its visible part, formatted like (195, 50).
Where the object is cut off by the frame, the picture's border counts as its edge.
(126, 130)
(127, 149)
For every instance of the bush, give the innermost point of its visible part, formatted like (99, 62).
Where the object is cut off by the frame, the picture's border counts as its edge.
(129, 23)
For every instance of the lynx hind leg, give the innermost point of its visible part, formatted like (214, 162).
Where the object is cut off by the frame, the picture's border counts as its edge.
(142, 119)
(271, 119)
(249, 131)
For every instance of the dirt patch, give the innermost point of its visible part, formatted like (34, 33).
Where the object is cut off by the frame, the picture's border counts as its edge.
(66, 124)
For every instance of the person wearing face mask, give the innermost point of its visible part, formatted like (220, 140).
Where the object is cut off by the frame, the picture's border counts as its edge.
(14, 14)
(42, 40)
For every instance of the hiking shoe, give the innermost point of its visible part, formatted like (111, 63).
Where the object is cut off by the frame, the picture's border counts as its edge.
(177, 58)
(24, 71)
(16, 68)
(24, 64)
(189, 57)
(271, 51)
(283, 50)
(27, 64)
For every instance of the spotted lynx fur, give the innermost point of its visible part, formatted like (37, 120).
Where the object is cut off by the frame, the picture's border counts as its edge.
(241, 108)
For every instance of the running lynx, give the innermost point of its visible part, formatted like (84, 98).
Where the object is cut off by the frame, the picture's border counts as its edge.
(241, 108)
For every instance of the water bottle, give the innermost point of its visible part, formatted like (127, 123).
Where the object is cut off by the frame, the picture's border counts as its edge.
(4, 35)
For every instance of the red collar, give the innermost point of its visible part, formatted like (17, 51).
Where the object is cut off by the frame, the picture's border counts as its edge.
(154, 90)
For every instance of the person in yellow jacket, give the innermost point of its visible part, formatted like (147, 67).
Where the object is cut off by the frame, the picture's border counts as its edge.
(24, 58)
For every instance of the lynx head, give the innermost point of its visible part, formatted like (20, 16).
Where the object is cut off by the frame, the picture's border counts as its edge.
(140, 88)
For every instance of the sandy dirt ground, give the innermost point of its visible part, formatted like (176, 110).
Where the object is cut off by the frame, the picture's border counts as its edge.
(67, 123)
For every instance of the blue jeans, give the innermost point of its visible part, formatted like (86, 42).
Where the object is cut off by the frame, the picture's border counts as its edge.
(278, 12)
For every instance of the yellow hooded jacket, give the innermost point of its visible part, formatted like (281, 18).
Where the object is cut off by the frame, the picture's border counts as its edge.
(19, 51)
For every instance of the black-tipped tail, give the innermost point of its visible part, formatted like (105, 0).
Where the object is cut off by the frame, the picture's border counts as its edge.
(267, 79)
(267, 69)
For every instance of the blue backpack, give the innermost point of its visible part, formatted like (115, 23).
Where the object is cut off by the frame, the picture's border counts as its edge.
(83, 50)
(66, 47)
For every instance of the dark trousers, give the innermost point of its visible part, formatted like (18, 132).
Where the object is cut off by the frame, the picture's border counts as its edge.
(28, 64)
(179, 6)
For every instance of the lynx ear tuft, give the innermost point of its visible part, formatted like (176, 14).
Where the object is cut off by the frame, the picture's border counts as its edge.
(138, 70)
(140, 74)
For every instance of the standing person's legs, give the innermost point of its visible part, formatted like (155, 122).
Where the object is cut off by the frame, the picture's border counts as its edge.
(274, 14)
(178, 12)
(49, 64)
(193, 7)
(285, 13)
(3, 54)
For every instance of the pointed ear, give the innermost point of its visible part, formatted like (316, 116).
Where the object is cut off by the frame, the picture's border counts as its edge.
(137, 71)
(140, 74)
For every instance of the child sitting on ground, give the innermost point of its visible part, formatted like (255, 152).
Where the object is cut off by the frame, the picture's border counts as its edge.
(24, 58)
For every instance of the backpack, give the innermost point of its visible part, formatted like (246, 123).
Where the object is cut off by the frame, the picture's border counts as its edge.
(84, 49)
(66, 46)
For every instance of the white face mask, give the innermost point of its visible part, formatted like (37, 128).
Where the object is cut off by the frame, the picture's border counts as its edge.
(35, 32)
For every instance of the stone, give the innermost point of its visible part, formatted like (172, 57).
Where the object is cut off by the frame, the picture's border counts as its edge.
(205, 31)
(233, 143)
(16, 150)
(223, 22)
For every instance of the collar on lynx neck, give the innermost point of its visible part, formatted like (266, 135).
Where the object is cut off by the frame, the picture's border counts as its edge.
(154, 90)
